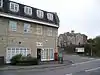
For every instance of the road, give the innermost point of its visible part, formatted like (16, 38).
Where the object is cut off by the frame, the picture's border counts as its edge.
(91, 67)
(77, 58)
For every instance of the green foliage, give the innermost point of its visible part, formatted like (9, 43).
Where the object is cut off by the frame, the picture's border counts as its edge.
(94, 44)
(15, 59)
(24, 60)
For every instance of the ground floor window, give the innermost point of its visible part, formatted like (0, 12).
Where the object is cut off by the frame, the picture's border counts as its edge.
(47, 54)
(12, 51)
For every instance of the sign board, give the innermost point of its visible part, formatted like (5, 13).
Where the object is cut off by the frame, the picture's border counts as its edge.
(79, 49)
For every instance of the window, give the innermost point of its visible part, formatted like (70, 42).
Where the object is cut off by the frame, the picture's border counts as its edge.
(12, 51)
(26, 27)
(1, 3)
(49, 32)
(40, 14)
(47, 54)
(56, 33)
(39, 30)
(13, 25)
(51, 51)
(28, 10)
(50, 16)
(14, 7)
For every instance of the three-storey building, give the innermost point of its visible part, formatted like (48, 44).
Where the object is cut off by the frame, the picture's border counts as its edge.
(27, 30)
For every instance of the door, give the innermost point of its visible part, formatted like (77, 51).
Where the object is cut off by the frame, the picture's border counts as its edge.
(39, 54)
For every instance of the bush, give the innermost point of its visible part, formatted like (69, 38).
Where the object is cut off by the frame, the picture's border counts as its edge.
(24, 60)
(28, 61)
(15, 59)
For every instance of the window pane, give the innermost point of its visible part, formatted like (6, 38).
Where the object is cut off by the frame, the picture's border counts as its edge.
(39, 30)
(51, 54)
(14, 7)
(1, 3)
(26, 27)
(40, 14)
(49, 32)
(42, 54)
(28, 10)
(50, 16)
(13, 25)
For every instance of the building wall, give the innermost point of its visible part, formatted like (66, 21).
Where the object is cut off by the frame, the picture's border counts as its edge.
(79, 39)
(12, 39)
(3, 36)
(72, 38)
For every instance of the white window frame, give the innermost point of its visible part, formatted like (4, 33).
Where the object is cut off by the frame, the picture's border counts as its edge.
(27, 27)
(1, 1)
(46, 54)
(28, 10)
(15, 6)
(49, 32)
(17, 50)
(39, 30)
(11, 26)
(40, 14)
(50, 16)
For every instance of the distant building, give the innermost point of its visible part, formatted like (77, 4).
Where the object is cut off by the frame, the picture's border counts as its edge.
(72, 38)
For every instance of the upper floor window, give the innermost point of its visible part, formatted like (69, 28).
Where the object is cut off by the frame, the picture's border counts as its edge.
(39, 30)
(50, 16)
(28, 10)
(13, 25)
(40, 13)
(49, 32)
(1, 3)
(26, 27)
(14, 7)
(56, 33)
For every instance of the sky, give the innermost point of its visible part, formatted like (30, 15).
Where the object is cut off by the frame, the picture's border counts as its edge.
(82, 16)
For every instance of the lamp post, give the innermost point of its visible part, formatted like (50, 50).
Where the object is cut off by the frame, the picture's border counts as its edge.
(91, 51)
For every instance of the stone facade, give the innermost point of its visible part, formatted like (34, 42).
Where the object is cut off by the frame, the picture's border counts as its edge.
(72, 38)
(18, 38)
(27, 30)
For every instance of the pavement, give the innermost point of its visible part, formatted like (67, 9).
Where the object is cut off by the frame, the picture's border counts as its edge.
(68, 60)
(88, 66)
(41, 66)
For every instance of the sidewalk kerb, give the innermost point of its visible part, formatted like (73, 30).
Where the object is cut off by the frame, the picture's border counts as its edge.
(25, 68)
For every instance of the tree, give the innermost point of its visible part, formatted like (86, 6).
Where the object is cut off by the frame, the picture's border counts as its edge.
(97, 46)
(94, 45)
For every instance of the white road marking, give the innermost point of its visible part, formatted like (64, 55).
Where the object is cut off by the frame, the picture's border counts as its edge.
(93, 69)
(92, 58)
(69, 74)
(87, 58)
(85, 62)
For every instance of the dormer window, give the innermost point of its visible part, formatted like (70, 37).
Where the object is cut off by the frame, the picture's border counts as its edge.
(40, 13)
(14, 7)
(1, 3)
(28, 10)
(50, 16)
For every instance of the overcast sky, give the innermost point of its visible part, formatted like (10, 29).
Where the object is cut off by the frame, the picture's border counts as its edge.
(79, 15)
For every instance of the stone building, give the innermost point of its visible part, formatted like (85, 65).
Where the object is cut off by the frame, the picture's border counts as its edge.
(27, 30)
(72, 38)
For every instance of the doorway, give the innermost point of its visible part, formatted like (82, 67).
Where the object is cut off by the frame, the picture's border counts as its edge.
(39, 54)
